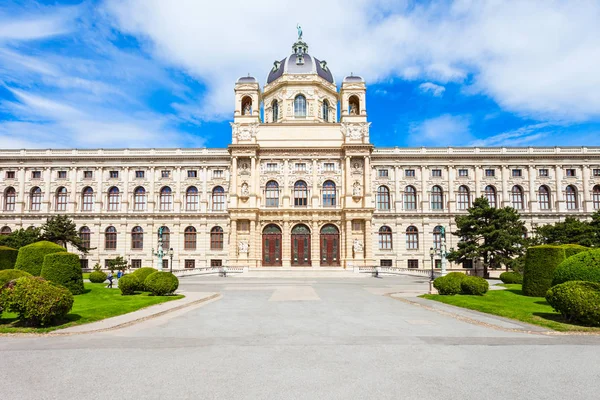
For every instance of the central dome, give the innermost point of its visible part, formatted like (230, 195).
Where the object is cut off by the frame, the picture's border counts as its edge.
(300, 62)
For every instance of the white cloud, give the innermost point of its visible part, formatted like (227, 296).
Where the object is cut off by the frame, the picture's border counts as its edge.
(528, 135)
(445, 130)
(435, 90)
(36, 24)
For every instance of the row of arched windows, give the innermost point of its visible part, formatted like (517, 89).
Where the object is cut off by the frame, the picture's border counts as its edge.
(412, 238)
(300, 106)
(300, 194)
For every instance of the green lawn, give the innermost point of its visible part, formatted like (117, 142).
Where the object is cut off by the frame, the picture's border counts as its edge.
(86, 275)
(97, 303)
(511, 303)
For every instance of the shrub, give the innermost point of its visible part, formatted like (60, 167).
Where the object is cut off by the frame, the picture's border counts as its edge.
(128, 284)
(474, 285)
(161, 283)
(8, 257)
(449, 284)
(8, 275)
(64, 269)
(584, 266)
(37, 301)
(540, 263)
(511, 277)
(572, 249)
(31, 257)
(97, 277)
(577, 301)
(142, 274)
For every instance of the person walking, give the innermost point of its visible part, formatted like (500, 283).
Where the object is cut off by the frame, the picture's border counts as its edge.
(119, 275)
(110, 280)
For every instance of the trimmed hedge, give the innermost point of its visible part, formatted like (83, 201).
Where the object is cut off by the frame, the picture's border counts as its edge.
(128, 284)
(142, 274)
(31, 257)
(449, 284)
(64, 269)
(37, 301)
(8, 257)
(540, 263)
(97, 277)
(511, 277)
(474, 285)
(572, 249)
(577, 301)
(584, 266)
(161, 283)
(8, 275)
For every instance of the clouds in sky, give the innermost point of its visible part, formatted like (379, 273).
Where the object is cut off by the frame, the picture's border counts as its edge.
(435, 90)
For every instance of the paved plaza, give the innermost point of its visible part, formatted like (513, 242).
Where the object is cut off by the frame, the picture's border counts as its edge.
(313, 338)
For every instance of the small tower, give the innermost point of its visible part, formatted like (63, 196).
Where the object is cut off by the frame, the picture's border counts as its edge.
(246, 116)
(354, 100)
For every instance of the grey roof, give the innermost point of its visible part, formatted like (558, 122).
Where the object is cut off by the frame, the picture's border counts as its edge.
(310, 65)
(247, 79)
(353, 78)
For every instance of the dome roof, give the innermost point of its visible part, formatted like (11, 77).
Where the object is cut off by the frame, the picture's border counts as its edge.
(300, 62)
(247, 79)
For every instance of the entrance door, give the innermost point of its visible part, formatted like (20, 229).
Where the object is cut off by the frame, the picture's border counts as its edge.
(271, 239)
(301, 246)
(330, 246)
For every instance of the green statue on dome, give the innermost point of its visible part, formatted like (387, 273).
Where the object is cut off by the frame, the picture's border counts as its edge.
(299, 31)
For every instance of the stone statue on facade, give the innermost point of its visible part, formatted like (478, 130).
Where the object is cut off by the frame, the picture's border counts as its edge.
(353, 109)
(356, 189)
(358, 246)
(243, 246)
(247, 109)
(245, 190)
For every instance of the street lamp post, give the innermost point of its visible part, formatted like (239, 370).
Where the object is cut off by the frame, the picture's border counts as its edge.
(171, 263)
(431, 254)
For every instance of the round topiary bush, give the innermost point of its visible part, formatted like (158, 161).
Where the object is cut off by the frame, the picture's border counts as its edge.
(8, 275)
(511, 277)
(161, 283)
(64, 269)
(540, 263)
(449, 284)
(8, 257)
(572, 249)
(474, 285)
(577, 301)
(142, 274)
(97, 277)
(37, 301)
(128, 284)
(31, 257)
(584, 266)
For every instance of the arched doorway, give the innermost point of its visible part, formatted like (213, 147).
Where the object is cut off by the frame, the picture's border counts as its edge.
(301, 246)
(271, 244)
(330, 246)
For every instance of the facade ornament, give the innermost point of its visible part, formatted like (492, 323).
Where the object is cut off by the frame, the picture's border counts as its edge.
(245, 191)
(243, 246)
(355, 131)
(353, 109)
(357, 246)
(244, 131)
(356, 189)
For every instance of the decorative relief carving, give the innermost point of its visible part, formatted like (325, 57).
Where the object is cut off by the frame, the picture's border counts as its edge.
(356, 189)
(245, 131)
(355, 131)
(357, 166)
(243, 246)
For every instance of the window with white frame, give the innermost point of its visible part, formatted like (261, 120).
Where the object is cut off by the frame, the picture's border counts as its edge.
(383, 173)
(218, 198)
(217, 173)
(271, 167)
(490, 172)
(192, 173)
(409, 173)
(463, 172)
(436, 173)
(517, 172)
(329, 166)
(543, 172)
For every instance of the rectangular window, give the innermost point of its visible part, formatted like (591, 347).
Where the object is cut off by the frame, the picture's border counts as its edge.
(438, 263)
(490, 172)
(216, 263)
(136, 263)
(140, 174)
(463, 172)
(467, 264)
(357, 225)
(88, 175)
(272, 167)
(329, 166)
(217, 173)
(300, 166)
(114, 174)
(62, 174)
(385, 263)
(107, 263)
(436, 172)
(10, 175)
(543, 172)
(84, 263)
(596, 172)
(517, 172)
(165, 173)
(409, 173)
(413, 263)
(36, 174)
(383, 173)
(570, 172)
(190, 264)
(192, 173)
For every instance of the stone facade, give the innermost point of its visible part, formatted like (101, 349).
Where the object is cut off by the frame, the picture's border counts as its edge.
(301, 187)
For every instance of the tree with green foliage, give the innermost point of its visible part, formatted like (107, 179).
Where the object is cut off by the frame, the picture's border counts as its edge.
(21, 237)
(571, 231)
(118, 263)
(494, 235)
(61, 230)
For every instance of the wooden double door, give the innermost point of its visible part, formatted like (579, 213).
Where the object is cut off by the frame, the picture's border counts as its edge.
(301, 246)
(330, 246)
(271, 246)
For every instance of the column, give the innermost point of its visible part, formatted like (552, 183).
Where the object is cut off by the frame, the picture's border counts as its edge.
(49, 195)
(177, 201)
(151, 194)
(477, 181)
(126, 195)
(587, 206)
(451, 192)
(204, 198)
(533, 204)
(21, 205)
(286, 250)
(315, 187)
(234, 184)
(505, 199)
(315, 245)
(369, 241)
(233, 245)
(560, 204)
(72, 207)
(348, 182)
(367, 183)
(253, 188)
(286, 192)
(347, 235)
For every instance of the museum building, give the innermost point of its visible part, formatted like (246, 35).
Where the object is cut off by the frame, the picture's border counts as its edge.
(300, 185)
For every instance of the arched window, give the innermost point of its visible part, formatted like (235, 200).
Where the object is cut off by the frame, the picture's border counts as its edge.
(412, 238)
(218, 198)
(113, 199)
(35, 201)
(353, 105)
(437, 198)
(410, 198)
(191, 198)
(166, 238)
(463, 198)
(216, 238)
(139, 199)
(437, 237)
(87, 199)
(300, 194)
(571, 198)
(137, 238)
(110, 238)
(596, 197)
(189, 238)
(275, 110)
(84, 234)
(325, 111)
(62, 198)
(10, 198)
(272, 194)
(383, 198)
(517, 198)
(300, 106)
(544, 197)
(490, 195)
(385, 238)
(166, 199)
(329, 194)
(5, 231)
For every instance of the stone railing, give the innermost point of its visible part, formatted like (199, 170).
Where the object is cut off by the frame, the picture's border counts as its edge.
(399, 271)
(208, 271)
(484, 150)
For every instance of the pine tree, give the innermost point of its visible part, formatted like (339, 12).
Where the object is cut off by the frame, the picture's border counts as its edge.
(62, 230)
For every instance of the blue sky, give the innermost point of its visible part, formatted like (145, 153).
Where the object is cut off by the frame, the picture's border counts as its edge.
(153, 73)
